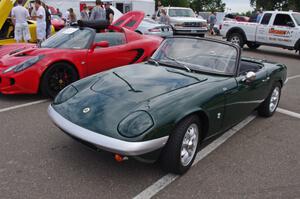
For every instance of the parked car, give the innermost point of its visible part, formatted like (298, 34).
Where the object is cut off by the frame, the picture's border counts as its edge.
(276, 28)
(190, 90)
(71, 54)
(57, 22)
(184, 21)
(7, 26)
(151, 27)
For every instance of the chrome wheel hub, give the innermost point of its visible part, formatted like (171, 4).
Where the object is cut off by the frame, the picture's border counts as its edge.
(274, 99)
(235, 40)
(189, 144)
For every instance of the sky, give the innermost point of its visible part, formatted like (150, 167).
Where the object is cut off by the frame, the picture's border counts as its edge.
(238, 5)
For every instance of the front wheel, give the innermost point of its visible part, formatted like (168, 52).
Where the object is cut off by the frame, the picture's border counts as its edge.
(57, 77)
(181, 149)
(236, 38)
(269, 106)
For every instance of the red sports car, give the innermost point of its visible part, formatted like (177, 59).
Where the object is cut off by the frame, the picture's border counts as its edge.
(72, 54)
(57, 22)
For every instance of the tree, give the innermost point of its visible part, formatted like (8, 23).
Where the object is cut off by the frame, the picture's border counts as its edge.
(208, 5)
(276, 4)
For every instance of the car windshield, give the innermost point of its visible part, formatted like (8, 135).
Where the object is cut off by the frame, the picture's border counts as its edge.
(181, 13)
(297, 18)
(198, 55)
(69, 38)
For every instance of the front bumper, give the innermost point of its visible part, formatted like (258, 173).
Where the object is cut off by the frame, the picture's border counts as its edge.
(190, 31)
(104, 142)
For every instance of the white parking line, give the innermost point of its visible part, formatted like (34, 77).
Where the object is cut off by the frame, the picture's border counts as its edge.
(289, 113)
(291, 78)
(22, 105)
(169, 178)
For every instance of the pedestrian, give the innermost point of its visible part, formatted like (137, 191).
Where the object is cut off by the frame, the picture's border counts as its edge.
(72, 16)
(212, 19)
(109, 13)
(20, 16)
(98, 12)
(85, 13)
(58, 12)
(40, 17)
(259, 16)
(48, 20)
(164, 18)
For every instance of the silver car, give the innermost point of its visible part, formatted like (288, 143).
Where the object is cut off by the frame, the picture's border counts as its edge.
(151, 27)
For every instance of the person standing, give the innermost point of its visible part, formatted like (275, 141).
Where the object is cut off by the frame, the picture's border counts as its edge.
(212, 19)
(20, 16)
(40, 18)
(48, 20)
(98, 12)
(58, 12)
(72, 16)
(85, 13)
(164, 18)
(109, 13)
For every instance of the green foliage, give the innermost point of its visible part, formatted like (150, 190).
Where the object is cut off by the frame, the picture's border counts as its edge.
(276, 4)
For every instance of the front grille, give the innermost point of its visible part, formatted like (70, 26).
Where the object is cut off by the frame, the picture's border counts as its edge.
(192, 24)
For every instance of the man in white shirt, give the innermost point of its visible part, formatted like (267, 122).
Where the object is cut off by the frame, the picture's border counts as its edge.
(40, 18)
(20, 16)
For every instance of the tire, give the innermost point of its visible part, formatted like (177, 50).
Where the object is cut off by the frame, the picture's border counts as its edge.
(202, 35)
(57, 77)
(253, 45)
(269, 106)
(171, 159)
(236, 38)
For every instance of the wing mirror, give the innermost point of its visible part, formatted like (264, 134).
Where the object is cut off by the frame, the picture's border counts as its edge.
(250, 77)
(101, 44)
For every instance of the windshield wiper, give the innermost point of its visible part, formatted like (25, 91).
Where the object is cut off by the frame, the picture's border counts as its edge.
(154, 61)
(179, 63)
(128, 84)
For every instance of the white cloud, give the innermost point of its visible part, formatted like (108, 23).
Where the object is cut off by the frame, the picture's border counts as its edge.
(238, 5)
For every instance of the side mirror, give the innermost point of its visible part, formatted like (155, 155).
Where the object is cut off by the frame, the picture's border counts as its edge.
(250, 77)
(291, 24)
(101, 44)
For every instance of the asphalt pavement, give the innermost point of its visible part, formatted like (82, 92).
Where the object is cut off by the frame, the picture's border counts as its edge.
(262, 160)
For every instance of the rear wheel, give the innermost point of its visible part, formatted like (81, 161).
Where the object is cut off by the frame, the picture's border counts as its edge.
(57, 77)
(269, 106)
(253, 45)
(236, 38)
(181, 149)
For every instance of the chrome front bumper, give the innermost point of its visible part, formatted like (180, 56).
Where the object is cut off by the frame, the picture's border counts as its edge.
(104, 142)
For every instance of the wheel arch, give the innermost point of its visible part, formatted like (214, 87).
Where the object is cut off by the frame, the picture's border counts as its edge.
(237, 30)
(297, 45)
(203, 116)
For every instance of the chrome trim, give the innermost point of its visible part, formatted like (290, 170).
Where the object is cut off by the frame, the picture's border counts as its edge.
(104, 142)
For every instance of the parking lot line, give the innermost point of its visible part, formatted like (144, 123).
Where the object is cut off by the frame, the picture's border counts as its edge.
(22, 105)
(160, 184)
(289, 113)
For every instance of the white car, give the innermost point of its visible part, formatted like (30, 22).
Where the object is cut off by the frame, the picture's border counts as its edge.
(151, 27)
(184, 21)
(276, 28)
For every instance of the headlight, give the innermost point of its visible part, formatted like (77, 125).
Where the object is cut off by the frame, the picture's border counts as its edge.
(65, 94)
(135, 124)
(24, 65)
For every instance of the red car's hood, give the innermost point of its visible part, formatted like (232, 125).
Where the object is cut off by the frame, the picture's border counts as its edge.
(17, 55)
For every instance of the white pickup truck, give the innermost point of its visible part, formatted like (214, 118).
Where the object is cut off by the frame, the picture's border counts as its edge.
(276, 28)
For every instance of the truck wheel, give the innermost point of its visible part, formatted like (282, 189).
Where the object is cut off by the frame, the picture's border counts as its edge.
(253, 45)
(269, 106)
(181, 149)
(236, 38)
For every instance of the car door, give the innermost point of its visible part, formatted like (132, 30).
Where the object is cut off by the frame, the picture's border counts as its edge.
(5, 7)
(262, 30)
(242, 97)
(282, 31)
(119, 53)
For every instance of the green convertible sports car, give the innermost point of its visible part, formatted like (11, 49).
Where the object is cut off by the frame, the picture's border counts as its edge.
(190, 90)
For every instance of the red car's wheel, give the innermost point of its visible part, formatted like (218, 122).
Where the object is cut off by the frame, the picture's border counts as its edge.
(57, 77)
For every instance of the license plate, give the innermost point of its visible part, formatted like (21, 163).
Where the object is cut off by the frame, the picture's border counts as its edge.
(194, 31)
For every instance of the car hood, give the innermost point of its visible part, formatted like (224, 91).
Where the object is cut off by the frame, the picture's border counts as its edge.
(186, 19)
(112, 95)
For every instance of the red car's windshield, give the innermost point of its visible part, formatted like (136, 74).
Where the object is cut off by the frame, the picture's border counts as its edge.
(69, 38)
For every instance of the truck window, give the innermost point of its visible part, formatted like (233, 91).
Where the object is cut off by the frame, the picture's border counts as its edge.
(297, 18)
(266, 19)
(282, 20)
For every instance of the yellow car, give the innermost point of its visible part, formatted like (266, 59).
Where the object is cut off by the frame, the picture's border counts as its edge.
(7, 27)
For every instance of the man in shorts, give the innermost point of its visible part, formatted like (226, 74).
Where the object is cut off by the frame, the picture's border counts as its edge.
(40, 18)
(20, 15)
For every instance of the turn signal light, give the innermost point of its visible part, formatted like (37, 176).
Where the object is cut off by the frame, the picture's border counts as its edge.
(120, 158)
